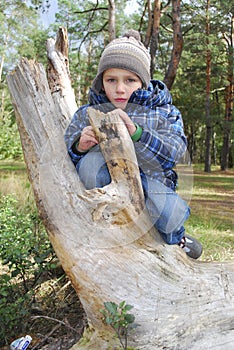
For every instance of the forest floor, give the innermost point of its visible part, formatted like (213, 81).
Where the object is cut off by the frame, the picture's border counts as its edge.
(57, 317)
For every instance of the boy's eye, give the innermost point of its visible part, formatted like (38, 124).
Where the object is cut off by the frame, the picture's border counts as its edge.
(126, 81)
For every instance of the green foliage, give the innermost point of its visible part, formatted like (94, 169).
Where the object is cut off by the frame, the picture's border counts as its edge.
(119, 319)
(25, 248)
(10, 146)
(25, 253)
(15, 31)
(14, 308)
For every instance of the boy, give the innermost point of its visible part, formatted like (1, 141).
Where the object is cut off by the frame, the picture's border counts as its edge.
(123, 84)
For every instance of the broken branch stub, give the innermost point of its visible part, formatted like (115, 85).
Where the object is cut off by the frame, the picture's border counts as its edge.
(118, 151)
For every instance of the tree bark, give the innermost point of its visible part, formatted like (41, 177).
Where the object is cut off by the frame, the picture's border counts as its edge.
(111, 22)
(103, 237)
(177, 45)
(149, 23)
(228, 118)
(155, 35)
(209, 128)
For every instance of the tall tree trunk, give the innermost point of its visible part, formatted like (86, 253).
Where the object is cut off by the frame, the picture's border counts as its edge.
(2, 58)
(154, 35)
(191, 142)
(87, 78)
(149, 23)
(103, 237)
(209, 128)
(177, 45)
(228, 118)
(1, 67)
(111, 22)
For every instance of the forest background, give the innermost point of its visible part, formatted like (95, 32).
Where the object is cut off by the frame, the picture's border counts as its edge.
(191, 45)
(202, 85)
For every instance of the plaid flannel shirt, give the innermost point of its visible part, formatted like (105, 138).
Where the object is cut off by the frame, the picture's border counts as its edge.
(162, 143)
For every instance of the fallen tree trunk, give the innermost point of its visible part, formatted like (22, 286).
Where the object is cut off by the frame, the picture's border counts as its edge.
(103, 237)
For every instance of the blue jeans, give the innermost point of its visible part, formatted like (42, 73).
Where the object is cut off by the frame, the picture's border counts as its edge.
(167, 210)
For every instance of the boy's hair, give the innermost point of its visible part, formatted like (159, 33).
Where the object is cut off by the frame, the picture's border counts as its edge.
(127, 52)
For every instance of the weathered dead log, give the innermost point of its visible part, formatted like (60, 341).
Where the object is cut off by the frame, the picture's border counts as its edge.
(179, 304)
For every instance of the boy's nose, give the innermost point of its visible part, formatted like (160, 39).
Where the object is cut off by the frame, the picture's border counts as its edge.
(120, 87)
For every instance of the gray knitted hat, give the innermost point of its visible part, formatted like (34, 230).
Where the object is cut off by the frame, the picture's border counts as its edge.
(127, 52)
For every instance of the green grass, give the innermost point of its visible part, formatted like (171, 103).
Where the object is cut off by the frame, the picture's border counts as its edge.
(14, 180)
(12, 166)
(212, 209)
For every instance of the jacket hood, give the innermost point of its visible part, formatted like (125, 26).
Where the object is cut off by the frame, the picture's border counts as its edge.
(157, 94)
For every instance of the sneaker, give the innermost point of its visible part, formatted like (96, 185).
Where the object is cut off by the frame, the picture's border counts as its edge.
(191, 246)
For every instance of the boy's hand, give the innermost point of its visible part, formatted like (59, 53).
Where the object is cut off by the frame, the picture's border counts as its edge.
(127, 120)
(87, 139)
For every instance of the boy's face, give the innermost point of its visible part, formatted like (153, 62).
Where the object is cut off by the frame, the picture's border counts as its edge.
(119, 84)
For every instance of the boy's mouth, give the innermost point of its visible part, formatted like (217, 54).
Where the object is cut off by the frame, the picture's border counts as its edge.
(120, 99)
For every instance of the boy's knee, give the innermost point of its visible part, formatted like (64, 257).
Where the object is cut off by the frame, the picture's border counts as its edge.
(93, 171)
